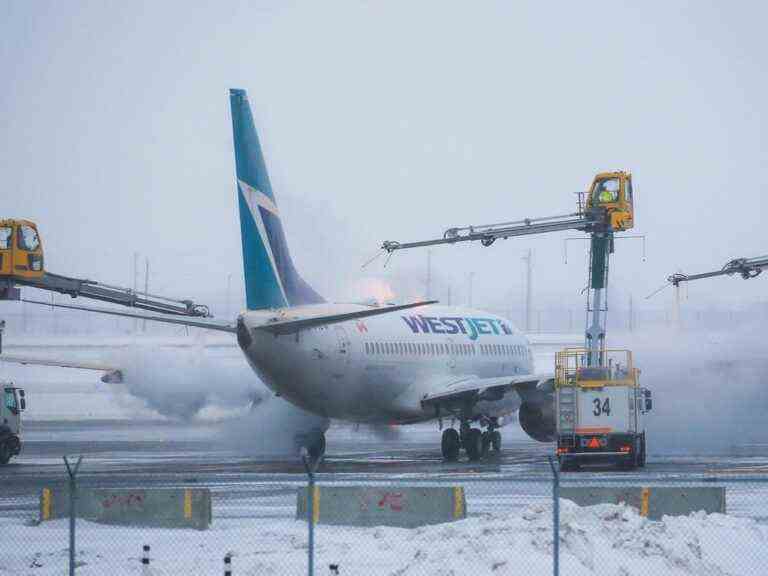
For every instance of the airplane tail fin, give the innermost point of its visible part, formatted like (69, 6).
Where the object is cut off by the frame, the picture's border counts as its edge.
(271, 280)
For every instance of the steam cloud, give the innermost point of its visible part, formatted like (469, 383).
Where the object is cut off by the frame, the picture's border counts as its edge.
(710, 390)
(270, 428)
(178, 382)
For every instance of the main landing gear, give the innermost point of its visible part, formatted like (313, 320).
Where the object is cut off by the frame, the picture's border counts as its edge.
(475, 442)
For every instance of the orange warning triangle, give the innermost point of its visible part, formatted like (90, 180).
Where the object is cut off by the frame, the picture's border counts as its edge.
(594, 443)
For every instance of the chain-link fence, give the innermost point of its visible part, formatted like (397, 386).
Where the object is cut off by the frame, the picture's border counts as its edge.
(446, 523)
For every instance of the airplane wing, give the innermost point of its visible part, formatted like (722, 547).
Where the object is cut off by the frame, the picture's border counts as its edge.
(505, 392)
(111, 374)
(278, 322)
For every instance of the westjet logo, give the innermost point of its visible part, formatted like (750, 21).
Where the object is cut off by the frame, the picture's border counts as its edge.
(472, 327)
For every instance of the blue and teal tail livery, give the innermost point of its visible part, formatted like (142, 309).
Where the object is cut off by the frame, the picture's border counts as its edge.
(271, 280)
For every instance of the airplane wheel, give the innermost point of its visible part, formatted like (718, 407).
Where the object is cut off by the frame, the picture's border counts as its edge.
(496, 441)
(316, 447)
(450, 444)
(5, 453)
(474, 444)
(486, 443)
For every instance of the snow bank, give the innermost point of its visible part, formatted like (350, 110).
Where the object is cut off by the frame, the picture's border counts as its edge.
(605, 540)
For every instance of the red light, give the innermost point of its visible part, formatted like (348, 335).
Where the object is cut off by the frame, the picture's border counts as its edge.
(625, 449)
(562, 451)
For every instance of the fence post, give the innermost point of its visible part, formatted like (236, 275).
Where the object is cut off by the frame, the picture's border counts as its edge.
(145, 560)
(310, 467)
(72, 472)
(555, 515)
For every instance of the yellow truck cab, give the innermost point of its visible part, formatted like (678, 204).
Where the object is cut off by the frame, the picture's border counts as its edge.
(21, 251)
(612, 191)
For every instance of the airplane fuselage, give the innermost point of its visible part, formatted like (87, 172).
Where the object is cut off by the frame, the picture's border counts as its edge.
(380, 368)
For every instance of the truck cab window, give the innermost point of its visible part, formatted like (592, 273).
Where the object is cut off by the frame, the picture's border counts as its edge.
(28, 239)
(10, 401)
(606, 191)
(5, 237)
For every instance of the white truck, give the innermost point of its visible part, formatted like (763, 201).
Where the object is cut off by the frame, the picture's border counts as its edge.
(13, 404)
(600, 410)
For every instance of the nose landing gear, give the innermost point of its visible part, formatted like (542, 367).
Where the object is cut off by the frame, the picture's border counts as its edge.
(314, 442)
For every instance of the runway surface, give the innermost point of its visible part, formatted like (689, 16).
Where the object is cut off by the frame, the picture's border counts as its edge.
(151, 452)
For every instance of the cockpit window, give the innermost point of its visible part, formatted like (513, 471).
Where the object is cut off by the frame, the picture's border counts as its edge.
(5, 237)
(28, 239)
(606, 191)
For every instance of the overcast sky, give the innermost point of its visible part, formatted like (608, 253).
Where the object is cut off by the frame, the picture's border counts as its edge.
(387, 120)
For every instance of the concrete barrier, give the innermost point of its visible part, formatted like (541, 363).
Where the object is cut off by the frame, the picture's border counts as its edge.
(651, 502)
(164, 507)
(404, 507)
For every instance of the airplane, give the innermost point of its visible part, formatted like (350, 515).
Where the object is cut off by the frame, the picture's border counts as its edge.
(368, 364)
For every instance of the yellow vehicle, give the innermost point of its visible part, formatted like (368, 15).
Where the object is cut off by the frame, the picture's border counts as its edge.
(600, 409)
(21, 252)
(612, 191)
(22, 264)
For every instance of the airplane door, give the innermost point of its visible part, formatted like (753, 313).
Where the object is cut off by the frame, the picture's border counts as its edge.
(451, 356)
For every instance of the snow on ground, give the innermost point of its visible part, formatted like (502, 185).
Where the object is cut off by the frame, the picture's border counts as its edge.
(599, 540)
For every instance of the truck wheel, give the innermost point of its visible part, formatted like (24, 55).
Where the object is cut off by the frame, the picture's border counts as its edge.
(486, 443)
(627, 462)
(5, 453)
(568, 465)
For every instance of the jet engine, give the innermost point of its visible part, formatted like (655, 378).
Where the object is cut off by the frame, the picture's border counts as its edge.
(537, 419)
